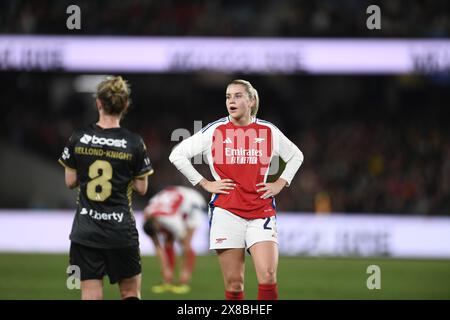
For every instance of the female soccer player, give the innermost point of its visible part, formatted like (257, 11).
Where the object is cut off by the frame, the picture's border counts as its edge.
(106, 163)
(173, 215)
(240, 149)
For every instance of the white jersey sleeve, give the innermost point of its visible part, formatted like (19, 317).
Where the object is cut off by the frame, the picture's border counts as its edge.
(182, 154)
(290, 154)
(199, 143)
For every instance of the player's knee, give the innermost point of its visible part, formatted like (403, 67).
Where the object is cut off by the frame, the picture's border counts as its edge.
(235, 284)
(269, 276)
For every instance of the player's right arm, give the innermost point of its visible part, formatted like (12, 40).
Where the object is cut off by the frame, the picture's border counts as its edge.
(67, 160)
(189, 257)
(189, 148)
(143, 168)
(151, 230)
(182, 154)
(166, 271)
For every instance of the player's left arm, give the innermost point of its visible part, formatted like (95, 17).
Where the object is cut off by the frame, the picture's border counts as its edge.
(143, 168)
(293, 157)
(71, 178)
(140, 185)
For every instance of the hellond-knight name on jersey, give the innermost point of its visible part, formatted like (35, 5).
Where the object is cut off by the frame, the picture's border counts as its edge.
(86, 139)
(106, 160)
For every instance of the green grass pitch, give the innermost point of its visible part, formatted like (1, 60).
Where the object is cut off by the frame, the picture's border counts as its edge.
(42, 276)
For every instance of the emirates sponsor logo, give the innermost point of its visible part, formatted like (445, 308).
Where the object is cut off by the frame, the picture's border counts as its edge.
(229, 152)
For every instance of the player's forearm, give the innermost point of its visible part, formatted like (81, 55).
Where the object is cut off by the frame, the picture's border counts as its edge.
(203, 183)
(73, 185)
(140, 185)
(162, 258)
(183, 152)
(71, 178)
(165, 267)
(183, 164)
(281, 182)
(188, 265)
(188, 170)
(292, 166)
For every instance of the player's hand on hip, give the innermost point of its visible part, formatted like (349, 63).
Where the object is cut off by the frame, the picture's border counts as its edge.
(270, 189)
(220, 186)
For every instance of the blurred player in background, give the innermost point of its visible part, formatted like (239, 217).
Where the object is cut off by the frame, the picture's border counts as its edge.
(173, 215)
(239, 149)
(106, 163)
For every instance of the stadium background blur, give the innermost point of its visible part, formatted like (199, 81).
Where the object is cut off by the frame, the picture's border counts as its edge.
(374, 144)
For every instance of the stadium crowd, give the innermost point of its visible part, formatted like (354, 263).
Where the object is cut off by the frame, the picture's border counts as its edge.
(285, 18)
(371, 144)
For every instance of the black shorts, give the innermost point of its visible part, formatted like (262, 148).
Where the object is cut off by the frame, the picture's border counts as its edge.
(95, 263)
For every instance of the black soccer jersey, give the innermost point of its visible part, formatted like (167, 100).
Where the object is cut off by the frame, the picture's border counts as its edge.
(106, 161)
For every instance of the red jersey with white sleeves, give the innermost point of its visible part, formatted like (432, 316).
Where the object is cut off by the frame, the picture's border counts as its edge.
(242, 154)
(166, 203)
(176, 200)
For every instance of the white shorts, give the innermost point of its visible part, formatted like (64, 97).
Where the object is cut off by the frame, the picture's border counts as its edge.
(177, 224)
(174, 224)
(195, 218)
(228, 230)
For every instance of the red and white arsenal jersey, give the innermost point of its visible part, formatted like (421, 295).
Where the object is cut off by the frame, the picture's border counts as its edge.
(176, 200)
(242, 154)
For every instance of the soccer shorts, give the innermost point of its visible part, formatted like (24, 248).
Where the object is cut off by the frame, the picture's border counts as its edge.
(174, 225)
(95, 263)
(228, 230)
(195, 218)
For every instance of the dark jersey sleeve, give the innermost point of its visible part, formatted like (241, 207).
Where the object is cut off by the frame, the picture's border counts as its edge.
(67, 158)
(142, 164)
